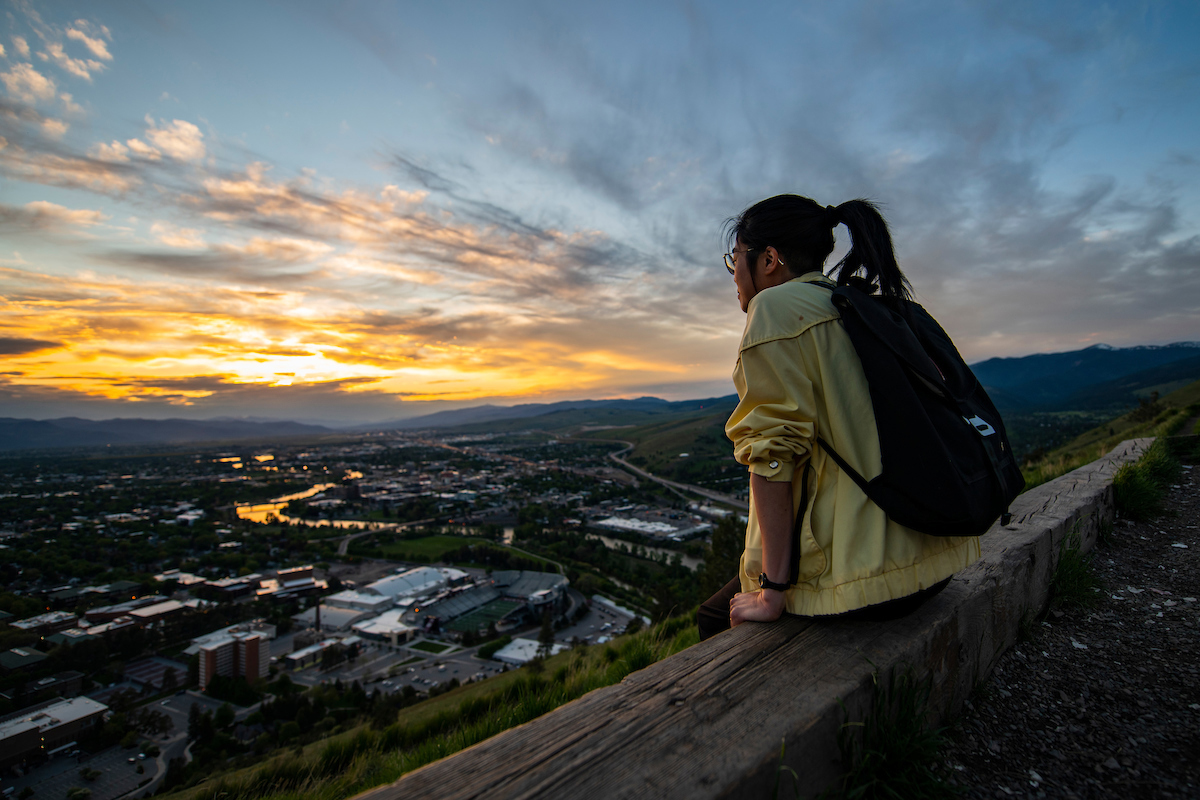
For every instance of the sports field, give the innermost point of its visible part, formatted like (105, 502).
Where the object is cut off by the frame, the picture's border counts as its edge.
(482, 616)
(427, 548)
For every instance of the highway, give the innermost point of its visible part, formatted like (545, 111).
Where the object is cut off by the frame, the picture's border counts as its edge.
(720, 497)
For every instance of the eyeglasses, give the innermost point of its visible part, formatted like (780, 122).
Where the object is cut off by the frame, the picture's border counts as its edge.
(730, 259)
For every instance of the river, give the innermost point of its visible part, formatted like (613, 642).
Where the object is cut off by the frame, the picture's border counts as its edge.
(261, 512)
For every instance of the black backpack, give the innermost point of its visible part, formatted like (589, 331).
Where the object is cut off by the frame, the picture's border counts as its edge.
(948, 467)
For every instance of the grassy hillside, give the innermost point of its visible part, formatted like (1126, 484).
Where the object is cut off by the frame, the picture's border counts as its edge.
(365, 755)
(1164, 417)
(660, 447)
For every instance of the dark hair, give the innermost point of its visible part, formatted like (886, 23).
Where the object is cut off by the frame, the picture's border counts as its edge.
(802, 232)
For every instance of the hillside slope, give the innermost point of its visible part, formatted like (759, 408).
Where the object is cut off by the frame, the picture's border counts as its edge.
(608, 416)
(1163, 417)
(1126, 391)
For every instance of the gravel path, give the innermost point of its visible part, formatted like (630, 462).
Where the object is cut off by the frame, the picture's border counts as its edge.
(1102, 701)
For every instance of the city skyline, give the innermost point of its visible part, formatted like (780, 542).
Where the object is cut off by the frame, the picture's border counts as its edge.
(378, 211)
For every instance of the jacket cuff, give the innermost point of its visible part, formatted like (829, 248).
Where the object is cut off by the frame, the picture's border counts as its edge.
(775, 469)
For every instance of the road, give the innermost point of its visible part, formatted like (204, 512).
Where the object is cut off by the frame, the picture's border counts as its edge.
(720, 497)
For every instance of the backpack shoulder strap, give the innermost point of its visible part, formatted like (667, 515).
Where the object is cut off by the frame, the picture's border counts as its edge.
(794, 575)
(845, 466)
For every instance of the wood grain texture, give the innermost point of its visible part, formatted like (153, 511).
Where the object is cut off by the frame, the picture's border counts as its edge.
(709, 721)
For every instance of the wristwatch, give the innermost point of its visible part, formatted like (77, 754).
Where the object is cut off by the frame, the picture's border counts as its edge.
(764, 583)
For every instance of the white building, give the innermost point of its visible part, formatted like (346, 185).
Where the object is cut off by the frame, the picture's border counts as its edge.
(47, 727)
(362, 601)
(256, 626)
(416, 582)
(387, 627)
(308, 655)
(522, 651)
(333, 619)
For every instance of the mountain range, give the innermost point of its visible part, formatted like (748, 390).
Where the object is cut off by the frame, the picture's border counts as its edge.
(1097, 378)
(477, 415)
(29, 434)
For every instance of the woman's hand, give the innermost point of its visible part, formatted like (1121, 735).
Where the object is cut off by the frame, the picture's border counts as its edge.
(765, 605)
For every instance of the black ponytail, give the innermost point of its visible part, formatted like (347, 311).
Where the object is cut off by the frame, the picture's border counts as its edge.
(870, 251)
(802, 231)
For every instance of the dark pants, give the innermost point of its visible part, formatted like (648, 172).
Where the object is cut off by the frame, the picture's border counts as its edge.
(713, 615)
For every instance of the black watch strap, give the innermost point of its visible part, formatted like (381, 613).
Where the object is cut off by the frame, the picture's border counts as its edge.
(764, 583)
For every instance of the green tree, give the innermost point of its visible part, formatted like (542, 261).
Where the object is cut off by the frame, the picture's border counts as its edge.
(588, 584)
(546, 635)
(723, 554)
(193, 730)
(224, 717)
(150, 721)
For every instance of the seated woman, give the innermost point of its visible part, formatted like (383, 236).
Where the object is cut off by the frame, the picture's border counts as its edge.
(798, 377)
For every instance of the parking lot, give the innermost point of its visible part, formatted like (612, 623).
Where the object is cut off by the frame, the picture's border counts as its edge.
(117, 768)
(602, 622)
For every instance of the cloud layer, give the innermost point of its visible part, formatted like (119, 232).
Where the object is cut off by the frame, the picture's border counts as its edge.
(535, 209)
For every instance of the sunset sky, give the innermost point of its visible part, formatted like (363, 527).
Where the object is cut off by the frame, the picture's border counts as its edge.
(361, 211)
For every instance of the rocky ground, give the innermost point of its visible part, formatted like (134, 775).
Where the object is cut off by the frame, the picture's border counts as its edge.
(1104, 700)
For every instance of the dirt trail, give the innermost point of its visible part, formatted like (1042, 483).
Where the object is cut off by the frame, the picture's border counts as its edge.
(1101, 702)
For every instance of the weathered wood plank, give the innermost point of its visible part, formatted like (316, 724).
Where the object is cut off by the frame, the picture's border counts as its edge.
(708, 722)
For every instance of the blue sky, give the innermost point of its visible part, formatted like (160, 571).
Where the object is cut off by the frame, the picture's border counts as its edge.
(363, 211)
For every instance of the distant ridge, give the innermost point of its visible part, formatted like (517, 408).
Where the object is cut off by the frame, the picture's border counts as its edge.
(490, 413)
(1048, 380)
(30, 434)
(1096, 377)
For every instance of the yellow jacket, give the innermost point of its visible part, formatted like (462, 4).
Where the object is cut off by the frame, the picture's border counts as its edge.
(798, 377)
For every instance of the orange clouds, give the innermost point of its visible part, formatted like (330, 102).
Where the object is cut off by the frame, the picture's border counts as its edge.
(128, 340)
(173, 280)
